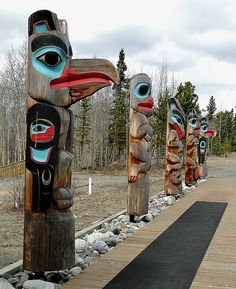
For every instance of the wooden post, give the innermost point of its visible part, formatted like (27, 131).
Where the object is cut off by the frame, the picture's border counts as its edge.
(192, 133)
(205, 133)
(55, 81)
(139, 162)
(174, 147)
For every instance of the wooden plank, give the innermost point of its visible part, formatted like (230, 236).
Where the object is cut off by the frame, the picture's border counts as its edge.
(218, 268)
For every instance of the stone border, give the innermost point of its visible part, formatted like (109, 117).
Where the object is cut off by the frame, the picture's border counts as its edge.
(17, 266)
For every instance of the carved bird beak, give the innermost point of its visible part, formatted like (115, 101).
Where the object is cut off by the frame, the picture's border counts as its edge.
(210, 133)
(86, 76)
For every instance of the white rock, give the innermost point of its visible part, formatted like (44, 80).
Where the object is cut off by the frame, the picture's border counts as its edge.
(169, 200)
(148, 217)
(81, 245)
(100, 246)
(79, 261)
(4, 284)
(123, 218)
(75, 270)
(93, 237)
(37, 284)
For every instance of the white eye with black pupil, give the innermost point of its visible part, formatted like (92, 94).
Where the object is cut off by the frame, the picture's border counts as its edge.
(50, 58)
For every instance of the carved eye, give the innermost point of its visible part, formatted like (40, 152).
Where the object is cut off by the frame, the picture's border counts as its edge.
(142, 90)
(204, 127)
(42, 131)
(50, 58)
(193, 122)
(177, 118)
(39, 128)
(50, 61)
(202, 144)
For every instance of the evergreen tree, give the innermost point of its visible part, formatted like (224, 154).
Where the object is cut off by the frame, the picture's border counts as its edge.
(224, 123)
(118, 136)
(159, 125)
(187, 96)
(82, 125)
(211, 109)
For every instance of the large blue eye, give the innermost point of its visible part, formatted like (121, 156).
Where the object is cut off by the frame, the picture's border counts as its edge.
(49, 61)
(193, 122)
(142, 90)
(204, 127)
(177, 119)
(202, 144)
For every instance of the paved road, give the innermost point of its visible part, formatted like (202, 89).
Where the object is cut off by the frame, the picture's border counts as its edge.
(224, 167)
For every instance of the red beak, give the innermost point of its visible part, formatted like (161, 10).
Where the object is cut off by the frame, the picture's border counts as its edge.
(210, 133)
(71, 78)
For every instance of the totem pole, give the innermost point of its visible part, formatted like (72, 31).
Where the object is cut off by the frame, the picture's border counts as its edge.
(174, 147)
(139, 162)
(205, 133)
(192, 133)
(55, 81)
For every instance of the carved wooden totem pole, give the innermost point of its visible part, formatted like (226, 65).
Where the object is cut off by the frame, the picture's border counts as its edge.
(55, 81)
(174, 147)
(205, 133)
(192, 134)
(139, 162)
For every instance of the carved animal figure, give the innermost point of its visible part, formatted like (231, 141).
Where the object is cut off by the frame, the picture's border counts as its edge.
(141, 108)
(192, 134)
(174, 147)
(205, 133)
(55, 81)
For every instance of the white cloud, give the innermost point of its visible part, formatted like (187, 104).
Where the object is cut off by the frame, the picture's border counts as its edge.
(196, 38)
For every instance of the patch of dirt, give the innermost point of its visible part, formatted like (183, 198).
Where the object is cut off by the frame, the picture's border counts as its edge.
(109, 191)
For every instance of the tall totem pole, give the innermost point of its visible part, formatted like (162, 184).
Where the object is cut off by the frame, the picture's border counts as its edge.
(205, 133)
(174, 147)
(192, 134)
(55, 81)
(139, 162)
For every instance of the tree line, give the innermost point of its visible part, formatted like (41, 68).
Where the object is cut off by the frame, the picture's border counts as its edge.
(101, 121)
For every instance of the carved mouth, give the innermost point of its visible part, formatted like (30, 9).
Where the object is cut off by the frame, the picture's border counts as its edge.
(146, 106)
(179, 131)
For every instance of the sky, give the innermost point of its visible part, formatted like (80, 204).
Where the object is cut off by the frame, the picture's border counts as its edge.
(195, 39)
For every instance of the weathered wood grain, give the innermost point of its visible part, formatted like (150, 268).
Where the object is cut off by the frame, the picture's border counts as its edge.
(192, 133)
(139, 161)
(174, 147)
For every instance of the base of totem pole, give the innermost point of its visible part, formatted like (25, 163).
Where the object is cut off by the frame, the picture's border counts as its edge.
(202, 170)
(49, 241)
(138, 196)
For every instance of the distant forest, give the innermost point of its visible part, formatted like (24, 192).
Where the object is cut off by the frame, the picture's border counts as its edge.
(101, 121)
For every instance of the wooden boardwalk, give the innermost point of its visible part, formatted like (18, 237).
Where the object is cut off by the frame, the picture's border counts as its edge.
(218, 268)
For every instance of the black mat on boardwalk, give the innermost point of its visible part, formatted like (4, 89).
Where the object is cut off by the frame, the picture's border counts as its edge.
(171, 261)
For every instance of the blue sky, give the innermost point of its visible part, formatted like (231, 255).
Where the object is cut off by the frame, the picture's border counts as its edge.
(196, 39)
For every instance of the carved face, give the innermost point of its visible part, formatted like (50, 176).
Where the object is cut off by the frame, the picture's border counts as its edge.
(193, 124)
(140, 94)
(53, 77)
(204, 131)
(202, 149)
(43, 127)
(176, 116)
